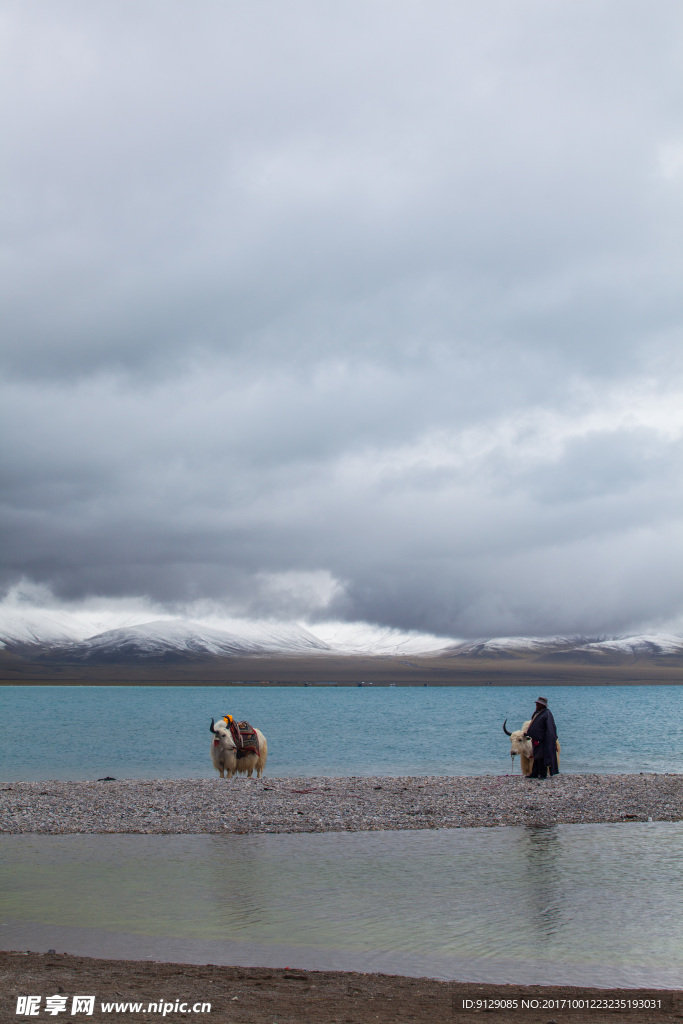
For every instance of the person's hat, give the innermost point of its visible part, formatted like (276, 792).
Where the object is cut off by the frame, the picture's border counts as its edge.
(543, 701)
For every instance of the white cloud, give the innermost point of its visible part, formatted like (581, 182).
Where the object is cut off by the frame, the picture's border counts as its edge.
(671, 160)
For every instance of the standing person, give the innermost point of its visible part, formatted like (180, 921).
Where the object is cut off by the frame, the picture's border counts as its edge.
(543, 734)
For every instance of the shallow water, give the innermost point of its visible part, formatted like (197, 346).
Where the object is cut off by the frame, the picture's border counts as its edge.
(85, 732)
(598, 904)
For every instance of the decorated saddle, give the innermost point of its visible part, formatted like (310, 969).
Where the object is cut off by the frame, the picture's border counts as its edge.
(244, 735)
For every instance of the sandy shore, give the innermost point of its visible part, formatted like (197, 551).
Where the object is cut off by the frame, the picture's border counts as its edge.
(334, 804)
(257, 995)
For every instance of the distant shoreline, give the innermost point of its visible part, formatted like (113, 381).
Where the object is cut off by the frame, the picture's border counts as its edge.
(441, 684)
(322, 670)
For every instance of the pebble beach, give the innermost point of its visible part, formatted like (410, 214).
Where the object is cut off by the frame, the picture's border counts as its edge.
(243, 806)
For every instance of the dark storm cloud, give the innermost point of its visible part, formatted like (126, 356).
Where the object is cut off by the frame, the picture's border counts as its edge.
(369, 311)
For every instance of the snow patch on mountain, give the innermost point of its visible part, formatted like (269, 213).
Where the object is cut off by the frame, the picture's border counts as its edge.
(35, 628)
(361, 638)
(43, 626)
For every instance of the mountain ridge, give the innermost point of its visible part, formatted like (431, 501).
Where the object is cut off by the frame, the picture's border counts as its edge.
(53, 637)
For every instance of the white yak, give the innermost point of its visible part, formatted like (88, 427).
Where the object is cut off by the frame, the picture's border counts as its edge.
(224, 753)
(522, 745)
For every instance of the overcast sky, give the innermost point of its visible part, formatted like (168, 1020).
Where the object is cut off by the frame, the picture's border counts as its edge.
(365, 310)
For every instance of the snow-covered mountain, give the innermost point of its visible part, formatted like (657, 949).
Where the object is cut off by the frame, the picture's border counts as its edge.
(176, 637)
(166, 639)
(57, 635)
(514, 647)
(45, 634)
(573, 649)
(621, 650)
(577, 649)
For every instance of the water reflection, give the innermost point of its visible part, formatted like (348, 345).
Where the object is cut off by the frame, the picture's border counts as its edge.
(561, 903)
(542, 848)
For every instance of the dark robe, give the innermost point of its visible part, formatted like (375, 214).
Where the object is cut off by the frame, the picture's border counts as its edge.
(544, 734)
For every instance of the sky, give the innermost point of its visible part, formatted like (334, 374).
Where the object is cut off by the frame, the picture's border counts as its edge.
(365, 311)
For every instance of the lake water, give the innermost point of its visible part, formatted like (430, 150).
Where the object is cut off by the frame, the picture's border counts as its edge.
(84, 732)
(569, 904)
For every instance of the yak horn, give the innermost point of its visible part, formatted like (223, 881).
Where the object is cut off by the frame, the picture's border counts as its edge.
(506, 731)
(211, 728)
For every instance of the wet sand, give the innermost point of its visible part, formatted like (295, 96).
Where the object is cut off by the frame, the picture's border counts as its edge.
(256, 995)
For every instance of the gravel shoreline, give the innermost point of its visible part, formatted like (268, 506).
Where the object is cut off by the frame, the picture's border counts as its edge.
(243, 806)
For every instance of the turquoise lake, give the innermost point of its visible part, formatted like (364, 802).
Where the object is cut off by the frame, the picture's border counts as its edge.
(83, 732)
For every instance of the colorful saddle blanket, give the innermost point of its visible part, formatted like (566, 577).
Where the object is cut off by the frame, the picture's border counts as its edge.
(245, 737)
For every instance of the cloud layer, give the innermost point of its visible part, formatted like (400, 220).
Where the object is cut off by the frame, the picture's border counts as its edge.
(365, 312)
